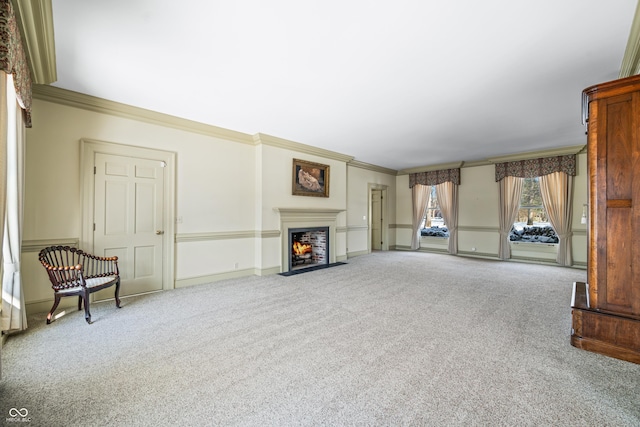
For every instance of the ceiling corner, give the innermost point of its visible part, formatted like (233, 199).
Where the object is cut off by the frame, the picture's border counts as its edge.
(631, 59)
(35, 18)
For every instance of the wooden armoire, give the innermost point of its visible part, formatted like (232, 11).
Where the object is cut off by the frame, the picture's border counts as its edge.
(606, 310)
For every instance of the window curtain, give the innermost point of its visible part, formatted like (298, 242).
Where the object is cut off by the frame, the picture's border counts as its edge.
(557, 196)
(4, 126)
(13, 59)
(533, 168)
(451, 177)
(15, 82)
(13, 316)
(420, 195)
(435, 177)
(510, 190)
(447, 194)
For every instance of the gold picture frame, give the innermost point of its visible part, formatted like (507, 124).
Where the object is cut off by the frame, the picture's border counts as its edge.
(310, 179)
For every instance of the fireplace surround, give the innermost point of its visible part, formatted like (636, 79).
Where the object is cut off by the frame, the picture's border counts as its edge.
(299, 219)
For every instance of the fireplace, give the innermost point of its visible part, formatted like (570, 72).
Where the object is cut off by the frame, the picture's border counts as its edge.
(296, 220)
(309, 247)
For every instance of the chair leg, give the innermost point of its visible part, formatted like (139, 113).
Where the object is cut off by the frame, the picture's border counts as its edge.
(118, 293)
(87, 314)
(79, 302)
(55, 305)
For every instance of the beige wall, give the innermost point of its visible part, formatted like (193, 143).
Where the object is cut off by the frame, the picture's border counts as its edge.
(360, 182)
(213, 178)
(275, 191)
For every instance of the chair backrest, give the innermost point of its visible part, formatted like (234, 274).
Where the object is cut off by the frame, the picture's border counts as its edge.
(64, 266)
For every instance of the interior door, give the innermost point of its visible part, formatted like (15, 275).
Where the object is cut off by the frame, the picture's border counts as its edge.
(376, 220)
(128, 218)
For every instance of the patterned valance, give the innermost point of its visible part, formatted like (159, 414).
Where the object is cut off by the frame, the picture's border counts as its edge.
(435, 177)
(537, 167)
(13, 59)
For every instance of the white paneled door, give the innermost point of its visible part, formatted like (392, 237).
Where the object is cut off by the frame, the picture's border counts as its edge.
(128, 220)
(376, 220)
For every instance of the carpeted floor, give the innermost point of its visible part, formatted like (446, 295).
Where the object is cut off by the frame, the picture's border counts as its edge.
(390, 338)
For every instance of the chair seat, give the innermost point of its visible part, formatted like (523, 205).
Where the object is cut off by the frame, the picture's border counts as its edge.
(91, 283)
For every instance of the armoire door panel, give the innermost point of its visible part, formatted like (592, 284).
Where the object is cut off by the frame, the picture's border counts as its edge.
(619, 143)
(619, 278)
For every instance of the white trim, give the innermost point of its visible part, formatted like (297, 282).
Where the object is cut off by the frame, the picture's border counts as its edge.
(91, 103)
(546, 248)
(631, 60)
(552, 152)
(35, 18)
(226, 235)
(274, 141)
(38, 245)
(354, 254)
(442, 166)
(370, 167)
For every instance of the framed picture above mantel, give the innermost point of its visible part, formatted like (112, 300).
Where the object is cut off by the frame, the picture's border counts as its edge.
(310, 179)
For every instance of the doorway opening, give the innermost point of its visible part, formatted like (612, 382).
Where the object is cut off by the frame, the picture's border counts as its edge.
(378, 222)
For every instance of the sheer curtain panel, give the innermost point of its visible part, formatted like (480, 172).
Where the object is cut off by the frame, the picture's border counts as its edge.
(13, 316)
(420, 195)
(4, 126)
(510, 190)
(447, 194)
(557, 196)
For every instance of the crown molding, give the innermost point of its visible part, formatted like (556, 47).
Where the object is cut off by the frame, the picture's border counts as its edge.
(631, 59)
(100, 105)
(374, 168)
(475, 163)
(35, 19)
(442, 166)
(562, 151)
(274, 141)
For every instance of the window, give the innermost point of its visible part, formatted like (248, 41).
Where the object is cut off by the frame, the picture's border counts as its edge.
(532, 223)
(433, 223)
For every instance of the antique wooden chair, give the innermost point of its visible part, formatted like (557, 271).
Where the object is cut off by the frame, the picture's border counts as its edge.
(74, 272)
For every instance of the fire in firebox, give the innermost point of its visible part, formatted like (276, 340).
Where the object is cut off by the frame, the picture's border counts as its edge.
(301, 248)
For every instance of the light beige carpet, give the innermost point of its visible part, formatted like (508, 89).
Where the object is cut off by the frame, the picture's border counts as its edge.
(390, 338)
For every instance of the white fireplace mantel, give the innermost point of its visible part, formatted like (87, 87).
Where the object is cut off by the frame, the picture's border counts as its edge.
(308, 212)
(307, 217)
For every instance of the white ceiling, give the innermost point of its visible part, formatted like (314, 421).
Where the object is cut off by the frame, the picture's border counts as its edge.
(399, 84)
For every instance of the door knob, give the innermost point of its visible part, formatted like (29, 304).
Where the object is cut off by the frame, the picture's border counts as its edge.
(159, 232)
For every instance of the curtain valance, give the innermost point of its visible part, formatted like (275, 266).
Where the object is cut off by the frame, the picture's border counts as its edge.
(13, 59)
(537, 167)
(435, 177)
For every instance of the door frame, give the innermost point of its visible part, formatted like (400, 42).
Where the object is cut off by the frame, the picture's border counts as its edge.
(384, 232)
(88, 149)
